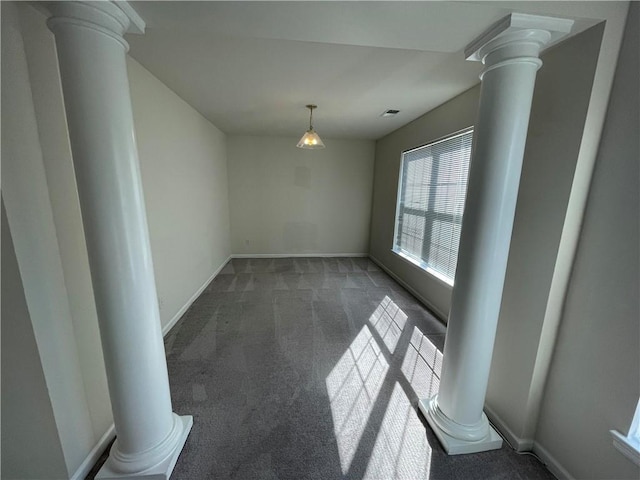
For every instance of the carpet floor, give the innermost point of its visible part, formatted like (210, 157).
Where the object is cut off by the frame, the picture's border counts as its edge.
(311, 368)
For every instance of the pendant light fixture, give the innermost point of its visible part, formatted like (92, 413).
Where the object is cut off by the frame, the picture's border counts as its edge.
(310, 139)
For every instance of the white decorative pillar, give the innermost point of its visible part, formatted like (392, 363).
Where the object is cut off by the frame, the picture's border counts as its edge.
(92, 57)
(509, 50)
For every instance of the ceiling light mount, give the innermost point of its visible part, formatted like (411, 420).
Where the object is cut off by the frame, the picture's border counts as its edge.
(310, 139)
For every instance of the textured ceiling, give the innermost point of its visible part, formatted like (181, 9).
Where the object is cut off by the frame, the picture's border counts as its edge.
(251, 67)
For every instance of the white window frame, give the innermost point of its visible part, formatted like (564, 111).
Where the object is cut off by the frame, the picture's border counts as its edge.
(630, 445)
(395, 247)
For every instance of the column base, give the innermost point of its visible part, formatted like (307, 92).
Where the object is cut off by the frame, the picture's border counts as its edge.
(457, 446)
(161, 471)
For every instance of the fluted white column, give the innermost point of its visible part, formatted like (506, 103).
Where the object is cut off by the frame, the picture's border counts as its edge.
(509, 50)
(92, 57)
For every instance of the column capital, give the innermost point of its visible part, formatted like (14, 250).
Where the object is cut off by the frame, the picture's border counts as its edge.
(111, 18)
(523, 35)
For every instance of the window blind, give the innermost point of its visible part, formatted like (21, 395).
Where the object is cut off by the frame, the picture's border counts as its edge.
(433, 187)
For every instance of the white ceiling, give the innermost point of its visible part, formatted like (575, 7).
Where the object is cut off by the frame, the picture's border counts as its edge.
(251, 67)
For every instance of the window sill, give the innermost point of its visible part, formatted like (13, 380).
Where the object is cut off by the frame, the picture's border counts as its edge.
(423, 266)
(629, 447)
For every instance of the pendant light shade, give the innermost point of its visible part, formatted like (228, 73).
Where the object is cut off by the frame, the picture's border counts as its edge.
(310, 139)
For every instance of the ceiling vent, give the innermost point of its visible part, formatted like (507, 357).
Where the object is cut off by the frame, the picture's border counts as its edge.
(389, 113)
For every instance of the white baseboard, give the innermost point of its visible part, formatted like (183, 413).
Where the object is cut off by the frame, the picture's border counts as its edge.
(297, 255)
(528, 445)
(193, 298)
(86, 466)
(410, 289)
(517, 443)
(552, 464)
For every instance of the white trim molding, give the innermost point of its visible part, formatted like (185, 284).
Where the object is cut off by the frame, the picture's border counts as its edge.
(95, 453)
(629, 446)
(297, 255)
(136, 23)
(110, 434)
(552, 464)
(194, 297)
(444, 281)
(166, 328)
(517, 443)
(410, 289)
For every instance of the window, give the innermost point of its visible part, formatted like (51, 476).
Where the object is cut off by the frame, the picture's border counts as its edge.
(431, 194)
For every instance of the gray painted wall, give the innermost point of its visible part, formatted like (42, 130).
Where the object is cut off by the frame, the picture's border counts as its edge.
(555, 138)
(450, 117)
(594, 383)
(285, 200)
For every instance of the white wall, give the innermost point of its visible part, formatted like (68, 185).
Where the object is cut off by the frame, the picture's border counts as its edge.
(29, 212)
(285, 200)
(184, 175)
(63, 194)
(594, 382)
(31, 448)
(450, 117)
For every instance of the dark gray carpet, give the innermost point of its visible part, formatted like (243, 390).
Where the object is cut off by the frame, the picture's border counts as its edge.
(310, 368)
